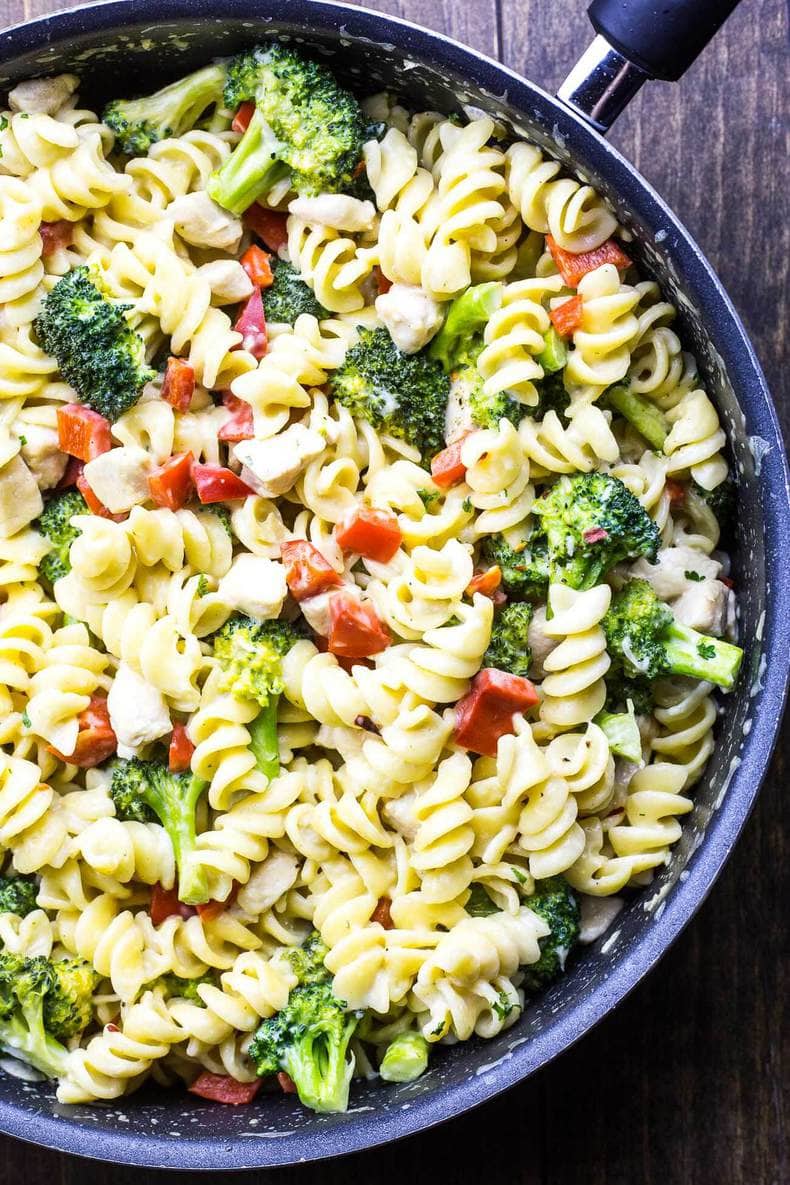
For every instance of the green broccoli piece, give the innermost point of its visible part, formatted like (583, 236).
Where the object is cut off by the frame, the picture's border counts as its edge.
(175, 987)
(649, 421)
(556, 903)
(222, 513)
(622, 732)
(307, 961)
(429, 498)
(405, 1058)
(645, 641)
(171, 111)
(485, 409)
(509, 649)
(42, 1004)
(305, 126)
(55, 524)
(402, 394)
(250, 654)
(524, 565)
(720, 500)
(479, 903)
(96, 350)
(18, 895)
(622, 691)
(591, 522)
(552, 396)
(289, 297)
(459, 341)
(554, 354)
(309, 1040)
(146, 791)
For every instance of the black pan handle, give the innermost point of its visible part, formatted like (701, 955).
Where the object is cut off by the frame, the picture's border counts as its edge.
(638, 40)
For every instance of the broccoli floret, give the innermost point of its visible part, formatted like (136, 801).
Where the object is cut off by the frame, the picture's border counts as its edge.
(622, 691)
(459, 341)
(552, 396)
(96, 350)
(222, 513)
(645, 641)
(429, 498)
(402, 394)
(18, 895)
(171, 111)
(307, 961)
(55, 523)
(250, 654)
(485, 409)
(305, 126)
(175, 987)
(622, 732)
(720, 500)
(41, 1006)
(524, 565)
(309, 1040)
(509, 648)
(649, 421)
(479, 904)
(405, 1058)
(591, 522)
(144, 791)
(289, 296)
(554, 901)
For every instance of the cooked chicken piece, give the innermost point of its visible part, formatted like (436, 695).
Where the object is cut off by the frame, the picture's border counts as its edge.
(703, 607)
(670, 575)
(272, 466)
(268, 882)
(335, 210)
(227, 280)
(119, 478)
(41, 452)
(203, 223)
(540, 643)
(43, 96)
(20, 497)
(410, 315)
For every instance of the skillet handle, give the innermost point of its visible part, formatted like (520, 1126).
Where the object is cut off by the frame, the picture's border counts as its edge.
(637, 40)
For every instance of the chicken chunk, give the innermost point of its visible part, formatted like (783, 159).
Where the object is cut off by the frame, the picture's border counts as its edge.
(400, 813)
(670, 575)
(254, 585)
(270, 467)
(703, 606)
(227, 280)
(43, 96)
(540, 643)
(200, 221)
(119, 478)
(138, 711)
(42, 455)
(275, 876)
(20, 497)
(411, 316)
(336, 210)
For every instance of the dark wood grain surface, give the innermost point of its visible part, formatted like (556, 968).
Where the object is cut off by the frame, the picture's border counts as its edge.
(687, 1084)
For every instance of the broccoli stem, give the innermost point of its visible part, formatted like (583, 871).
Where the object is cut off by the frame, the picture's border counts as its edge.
(319, 1067)
(554, 354)
(263, 739)
(31, 1043)
(648, 420)
(250, 170)
(700, 656)
(622, 733)
(405, 1058)
(177, 815)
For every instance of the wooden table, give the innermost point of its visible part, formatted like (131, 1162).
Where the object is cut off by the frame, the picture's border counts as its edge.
(684, 1084)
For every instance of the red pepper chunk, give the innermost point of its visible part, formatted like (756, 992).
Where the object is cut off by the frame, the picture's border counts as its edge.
(71, 473)
(179, 755)
(251, 324)
(269, 225)
(676, 491)
(355, 630)
(82, 432)
(485, 582)
(96, 740)
(374, 534)
(287, 1084)
(256, 263)
(239, 425)
(55, 235)
(165, 904)
(382, 915)
(574, 267)
(179, 385)
(219, 1088)
(215, 483)
(307, 573)
(486, 713)
(447, 468)
(567, 317)
(244, 113)
(170, 484)
(382, 283)
(95, 505)
(212, 909)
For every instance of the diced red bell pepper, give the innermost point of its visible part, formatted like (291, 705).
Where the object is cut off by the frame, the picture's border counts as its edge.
(179, 385)
(287, 1084)
(210, 910)
(567, 317)
(355, 630)
(257, 265)
(485, 582)
(382, 915)
(96, 740)
(70, 474)
(307, 573)
(165, 904)
(382, 283)
(95, 505)
(215, 483)
(55, 235)
(219, 1088)
(676, 491)
(725, 580)
(239, 426)
(179, 755)
(594, 534)
(269, 225)
(170, 484)
(574, 267)
(251, 324)
(374, 534)
(244, 113)
(447, 468)
(486, 713)
(82, 432)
